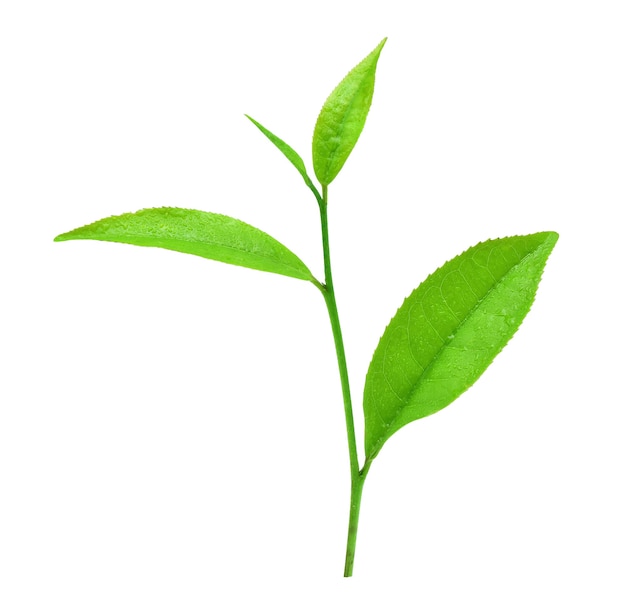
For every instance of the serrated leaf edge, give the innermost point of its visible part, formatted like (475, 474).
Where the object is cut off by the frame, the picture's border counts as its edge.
(379, 48)
(554, 238)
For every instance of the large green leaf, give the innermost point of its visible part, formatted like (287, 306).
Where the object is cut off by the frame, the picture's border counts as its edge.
(448, 331)
(342, 118)
(293, 157)
(207, 235)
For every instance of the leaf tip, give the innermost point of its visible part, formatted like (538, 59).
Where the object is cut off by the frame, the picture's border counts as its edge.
(254, 122)
(551, 238)
(376, 52)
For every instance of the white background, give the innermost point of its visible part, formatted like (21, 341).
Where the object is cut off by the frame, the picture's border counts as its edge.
(172, 428)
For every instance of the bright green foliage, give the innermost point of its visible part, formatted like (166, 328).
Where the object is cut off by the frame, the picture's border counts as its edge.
(448, 331)
(342, 118)
(207, 235)
(293, 157)
(443, 337)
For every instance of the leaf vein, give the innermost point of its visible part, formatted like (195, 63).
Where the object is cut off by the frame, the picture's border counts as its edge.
(445, 344)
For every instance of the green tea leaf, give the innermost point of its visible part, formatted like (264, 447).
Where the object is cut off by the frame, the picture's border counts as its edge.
(342, 118)
(448, 331)
(207, 235)
(293, 157)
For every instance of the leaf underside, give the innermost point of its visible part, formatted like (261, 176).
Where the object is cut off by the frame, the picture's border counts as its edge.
(342, 118)
(448, 331)
(194, 232)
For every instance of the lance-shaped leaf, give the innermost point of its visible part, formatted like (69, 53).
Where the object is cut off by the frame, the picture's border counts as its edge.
(207, 235)
(448, 331)
(293, 157)
(342, 118)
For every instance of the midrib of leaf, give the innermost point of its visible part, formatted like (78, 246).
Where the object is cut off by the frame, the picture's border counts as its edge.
(219, 246)
(342, 126)
(446, 343)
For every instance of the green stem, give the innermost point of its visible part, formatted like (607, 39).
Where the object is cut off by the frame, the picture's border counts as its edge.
(357, 477)
(331, 304)
(353, 526)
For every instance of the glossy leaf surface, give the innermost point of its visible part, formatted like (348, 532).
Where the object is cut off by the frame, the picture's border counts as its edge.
(207, 235)
(342, 118)
(294, 158)
(448, 331)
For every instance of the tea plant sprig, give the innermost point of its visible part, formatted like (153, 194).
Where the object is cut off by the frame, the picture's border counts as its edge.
(442, 338)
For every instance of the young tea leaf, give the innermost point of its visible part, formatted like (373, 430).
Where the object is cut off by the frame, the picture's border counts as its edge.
(448, 331)
(293, 157)
(342, 118)
(207, 235)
